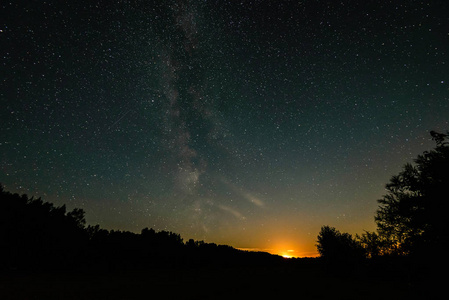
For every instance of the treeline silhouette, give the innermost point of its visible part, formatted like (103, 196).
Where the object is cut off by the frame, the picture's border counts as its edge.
(36, 235)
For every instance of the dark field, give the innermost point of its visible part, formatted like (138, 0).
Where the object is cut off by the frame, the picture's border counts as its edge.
(287, 281)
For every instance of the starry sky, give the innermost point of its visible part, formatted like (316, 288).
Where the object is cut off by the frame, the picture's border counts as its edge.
(247, 123)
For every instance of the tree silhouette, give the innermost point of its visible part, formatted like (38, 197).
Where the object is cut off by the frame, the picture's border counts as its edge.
(411, 218)
(335, 246)
(77, 216)
(36, 234)
(373, 243)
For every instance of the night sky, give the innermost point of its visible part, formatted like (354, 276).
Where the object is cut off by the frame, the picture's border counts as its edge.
(247, 123)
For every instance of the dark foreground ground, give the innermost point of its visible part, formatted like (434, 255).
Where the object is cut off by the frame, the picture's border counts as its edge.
(287, 281)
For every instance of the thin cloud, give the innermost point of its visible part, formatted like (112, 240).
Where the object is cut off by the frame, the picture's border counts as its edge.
(244, 194)
(253, 199)
(232, 211)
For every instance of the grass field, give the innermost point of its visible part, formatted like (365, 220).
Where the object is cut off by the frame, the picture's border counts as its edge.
(277, 282)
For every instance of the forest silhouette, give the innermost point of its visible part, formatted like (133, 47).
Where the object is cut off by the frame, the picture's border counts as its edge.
(407, 250)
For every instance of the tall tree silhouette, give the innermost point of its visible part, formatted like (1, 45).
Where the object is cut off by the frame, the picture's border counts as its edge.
(412, 215)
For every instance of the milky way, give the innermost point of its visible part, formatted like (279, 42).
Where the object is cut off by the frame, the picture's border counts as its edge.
(250, 123)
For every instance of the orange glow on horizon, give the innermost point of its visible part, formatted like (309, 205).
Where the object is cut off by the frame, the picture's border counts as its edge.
(284, 242)
(286, 253)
